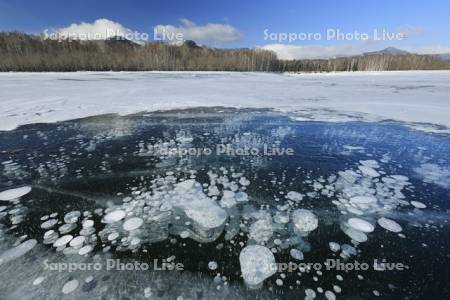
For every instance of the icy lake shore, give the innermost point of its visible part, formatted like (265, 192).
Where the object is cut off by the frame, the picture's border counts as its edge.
(418, 98)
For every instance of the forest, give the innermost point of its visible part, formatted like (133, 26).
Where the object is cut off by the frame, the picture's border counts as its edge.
(29, 53)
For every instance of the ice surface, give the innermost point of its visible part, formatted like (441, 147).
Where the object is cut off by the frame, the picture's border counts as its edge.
(348, 96)
(12, 194)
(257, 264)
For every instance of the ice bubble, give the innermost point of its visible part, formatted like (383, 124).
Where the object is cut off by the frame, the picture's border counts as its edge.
(368, 171)
(355, 211)
(361, 225)
(297, 254)
(212, 265)
(49, 234)
(17, 251)
(241, 197)
(13, 194)
(304, 220)
(348, 250)
(370, 163)
(294, 196)
(389, 224)
(432, 173)
(62, 241)
(78, 241)
(70, 286)
(418, 204)
(72, 217)
(85, 250)
(310, 294)
(400, 177)
(112, 236)
(87, 223)
(356, 235)
(337, 288)
(38, 280)
(202, 210)
(114, 216)
(87, 231)
(257, 264)
(261, 230)
(363, 199)
(133, 224)
(66, 228)
(184, 234)
(49, 224)
(135, 241)
(330, 295)
(335, 247)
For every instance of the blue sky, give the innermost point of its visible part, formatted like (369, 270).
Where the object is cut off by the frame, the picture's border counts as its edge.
(426, 24)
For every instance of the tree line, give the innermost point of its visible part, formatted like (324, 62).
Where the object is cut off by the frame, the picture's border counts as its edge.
(24, 52)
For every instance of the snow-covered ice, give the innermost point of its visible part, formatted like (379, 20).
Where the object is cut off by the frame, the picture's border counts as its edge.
(421, 97)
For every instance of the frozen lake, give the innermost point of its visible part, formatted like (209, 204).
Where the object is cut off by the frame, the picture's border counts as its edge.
(417, 98)
(203, 187)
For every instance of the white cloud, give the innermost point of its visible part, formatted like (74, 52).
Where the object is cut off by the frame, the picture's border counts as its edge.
(204, 34)
(101, 29)
(313, 51)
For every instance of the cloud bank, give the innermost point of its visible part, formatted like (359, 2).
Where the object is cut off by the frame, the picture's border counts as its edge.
(205, 34)
(101, 29)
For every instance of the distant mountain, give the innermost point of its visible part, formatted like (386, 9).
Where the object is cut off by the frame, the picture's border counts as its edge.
(388, 51)
(120, 40)
(444, 56)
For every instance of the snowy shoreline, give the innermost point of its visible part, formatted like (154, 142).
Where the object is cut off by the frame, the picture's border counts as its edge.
(420, 99)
